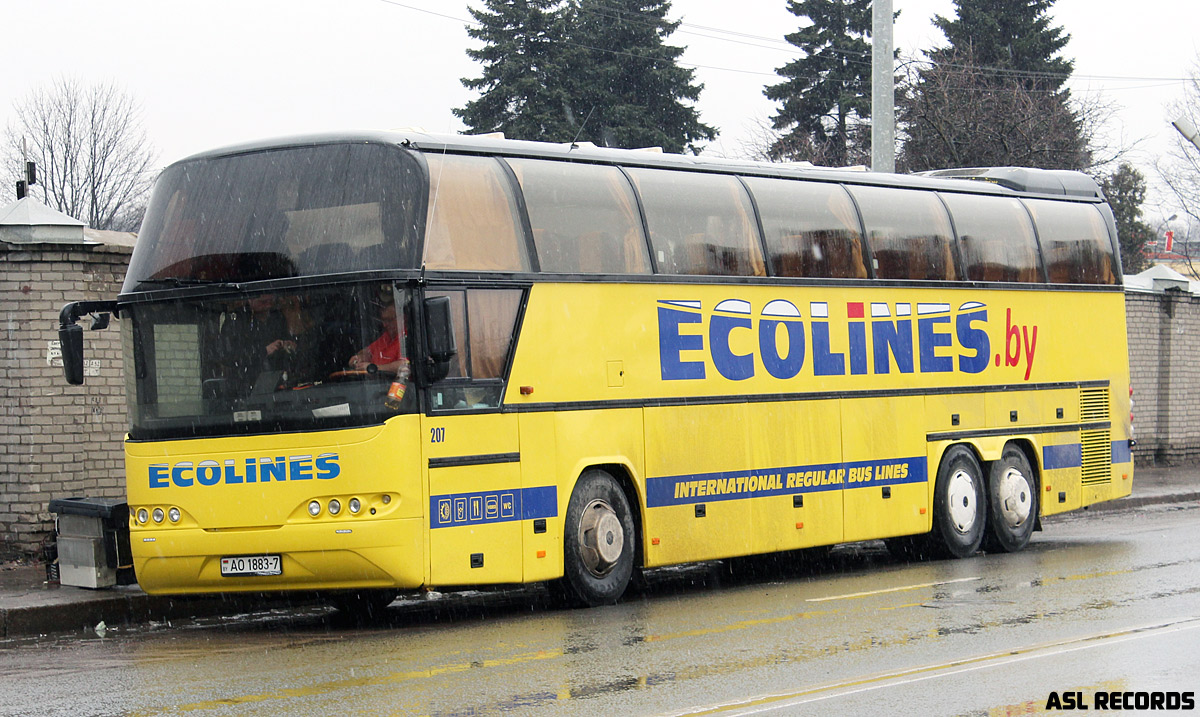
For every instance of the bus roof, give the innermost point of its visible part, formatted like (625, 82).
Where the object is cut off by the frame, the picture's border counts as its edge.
(996, 180)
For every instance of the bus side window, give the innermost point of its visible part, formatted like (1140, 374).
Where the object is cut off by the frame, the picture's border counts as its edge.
(909, 232)
(1075, 240)
(996, 238)
(584, 217)
(484, 325)
(472, 222)
(811, 229)
(699, 223)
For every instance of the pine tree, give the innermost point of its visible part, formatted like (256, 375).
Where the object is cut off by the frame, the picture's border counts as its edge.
(826, 95)
(525, 63)
(994, 96)
(1125, 189)
(630, 89)
(1010, 36)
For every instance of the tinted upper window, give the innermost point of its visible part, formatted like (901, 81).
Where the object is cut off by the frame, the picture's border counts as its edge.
(473, 221)
(909, 233)
(811, 229)
(279, 213)
(584, 217)
(1075, 241)
(699, 223)
(996, 238)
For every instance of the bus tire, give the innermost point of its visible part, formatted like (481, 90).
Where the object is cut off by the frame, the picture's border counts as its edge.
(1012, 502)
(959, 503)
(598, 542)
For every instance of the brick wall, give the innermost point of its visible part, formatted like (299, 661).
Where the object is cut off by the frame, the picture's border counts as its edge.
(56, 440)
(1164, 336)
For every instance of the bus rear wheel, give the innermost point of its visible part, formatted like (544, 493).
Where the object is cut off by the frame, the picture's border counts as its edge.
(959, 513)
(598, 542)
(1012, 502)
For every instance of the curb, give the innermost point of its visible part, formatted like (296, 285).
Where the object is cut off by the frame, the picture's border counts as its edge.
(137, 608)
(1134, 501)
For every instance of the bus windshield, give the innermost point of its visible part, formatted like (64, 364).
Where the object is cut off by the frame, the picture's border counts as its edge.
(287, 360)
(289, 212)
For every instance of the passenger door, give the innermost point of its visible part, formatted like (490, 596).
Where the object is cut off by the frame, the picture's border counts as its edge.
(472, 450)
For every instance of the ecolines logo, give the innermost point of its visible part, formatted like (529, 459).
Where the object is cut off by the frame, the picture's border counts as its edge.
(186, 474)
(935, 340)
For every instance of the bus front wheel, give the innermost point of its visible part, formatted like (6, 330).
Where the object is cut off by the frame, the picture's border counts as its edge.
(1012, 502)
(959, 513)
(598, 542)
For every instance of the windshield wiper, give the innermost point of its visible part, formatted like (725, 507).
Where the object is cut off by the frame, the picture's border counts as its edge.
(178, 281)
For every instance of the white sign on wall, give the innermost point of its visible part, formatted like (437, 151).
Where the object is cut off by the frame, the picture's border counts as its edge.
(91, 367)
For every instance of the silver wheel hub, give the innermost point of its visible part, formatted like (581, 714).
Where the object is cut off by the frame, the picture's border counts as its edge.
(601, 537)
(1015, 496)
(963, 501)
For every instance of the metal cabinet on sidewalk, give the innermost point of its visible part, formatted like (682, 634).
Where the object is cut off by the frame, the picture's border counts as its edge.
(93, 541)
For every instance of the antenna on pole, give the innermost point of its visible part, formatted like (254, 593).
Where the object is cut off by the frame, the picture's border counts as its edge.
(30, 179)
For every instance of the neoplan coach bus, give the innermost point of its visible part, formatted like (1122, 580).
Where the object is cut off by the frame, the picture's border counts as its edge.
(376, 362)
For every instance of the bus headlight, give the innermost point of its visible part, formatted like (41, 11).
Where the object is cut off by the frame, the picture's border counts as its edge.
(355, 505)
(335, 507)
(314, 508)
(158, 515)
(143, 515)
(173, 514)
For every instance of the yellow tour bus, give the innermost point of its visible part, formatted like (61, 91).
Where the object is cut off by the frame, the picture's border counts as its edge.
(374, 362)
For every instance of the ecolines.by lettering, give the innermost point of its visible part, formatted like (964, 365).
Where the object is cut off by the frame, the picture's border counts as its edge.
(894, 343)
(186, 474)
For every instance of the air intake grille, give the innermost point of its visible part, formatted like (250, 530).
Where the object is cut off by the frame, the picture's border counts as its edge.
(1096, 445)
(1093, 405)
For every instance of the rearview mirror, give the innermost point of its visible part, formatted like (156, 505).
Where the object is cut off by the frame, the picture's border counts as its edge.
(439, 335)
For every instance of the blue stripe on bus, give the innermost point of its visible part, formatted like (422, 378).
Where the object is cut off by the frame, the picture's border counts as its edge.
(1122, 452)
(495, 506)
(738, 485)
(1068, 455)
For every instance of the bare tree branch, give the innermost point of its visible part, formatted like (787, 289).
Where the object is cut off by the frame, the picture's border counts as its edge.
(94, 161)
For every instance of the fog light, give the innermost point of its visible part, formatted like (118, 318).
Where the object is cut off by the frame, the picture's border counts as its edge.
(387, 499)
(143, 515)
(173, 514)
(158, 515)
(314, 508)
(355, 506)
(335, 507)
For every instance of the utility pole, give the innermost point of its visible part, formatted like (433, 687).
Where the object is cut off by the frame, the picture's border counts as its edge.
(883, 89)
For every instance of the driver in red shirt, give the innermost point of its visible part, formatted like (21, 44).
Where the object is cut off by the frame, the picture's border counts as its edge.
(387, 351)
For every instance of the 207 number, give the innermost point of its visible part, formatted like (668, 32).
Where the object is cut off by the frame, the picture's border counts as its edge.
(437, 435)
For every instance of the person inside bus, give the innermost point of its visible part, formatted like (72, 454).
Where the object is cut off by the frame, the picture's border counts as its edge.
(273, 338)
(386, 352)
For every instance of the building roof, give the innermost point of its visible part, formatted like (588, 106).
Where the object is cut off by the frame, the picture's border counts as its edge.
(1159, 278)
(28, 221)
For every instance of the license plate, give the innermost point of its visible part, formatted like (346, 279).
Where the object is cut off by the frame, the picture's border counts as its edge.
(251, 565)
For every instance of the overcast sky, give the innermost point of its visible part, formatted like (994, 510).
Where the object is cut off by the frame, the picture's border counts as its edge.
(217, 72)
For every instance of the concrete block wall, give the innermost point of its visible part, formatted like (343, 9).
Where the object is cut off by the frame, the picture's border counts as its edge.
(1164, 365)
(56, 440)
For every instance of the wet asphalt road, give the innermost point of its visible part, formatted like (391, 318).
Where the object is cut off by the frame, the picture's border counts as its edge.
(1107, 602)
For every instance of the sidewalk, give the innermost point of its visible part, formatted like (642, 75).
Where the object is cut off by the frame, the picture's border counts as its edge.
(29, 607)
